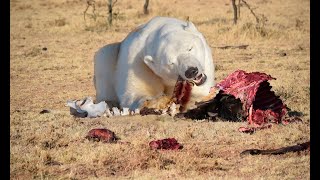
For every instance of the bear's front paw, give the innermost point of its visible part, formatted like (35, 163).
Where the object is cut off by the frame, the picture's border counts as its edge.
(162, 102)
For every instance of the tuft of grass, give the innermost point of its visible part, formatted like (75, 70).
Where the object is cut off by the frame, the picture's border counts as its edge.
(59, 22)
(35, 51)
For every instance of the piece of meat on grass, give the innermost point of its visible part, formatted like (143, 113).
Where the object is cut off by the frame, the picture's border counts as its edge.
(101, 134)
(165, 144)
(295, 148)
(253, 89)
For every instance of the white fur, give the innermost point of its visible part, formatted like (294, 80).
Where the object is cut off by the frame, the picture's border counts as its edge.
(146, 64)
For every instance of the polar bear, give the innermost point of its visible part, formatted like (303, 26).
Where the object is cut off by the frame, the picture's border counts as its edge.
(147, 63)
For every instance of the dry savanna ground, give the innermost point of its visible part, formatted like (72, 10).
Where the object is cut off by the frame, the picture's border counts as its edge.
(51, 52)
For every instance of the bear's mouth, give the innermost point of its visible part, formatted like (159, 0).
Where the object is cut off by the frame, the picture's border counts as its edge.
(182, 92)
(200, 79)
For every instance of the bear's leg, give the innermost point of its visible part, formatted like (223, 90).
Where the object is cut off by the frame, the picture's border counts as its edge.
(137, 104)
(105, 61)
(157, 101)
(136, 85)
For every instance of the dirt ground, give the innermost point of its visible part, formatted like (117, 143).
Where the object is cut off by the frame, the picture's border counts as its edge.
(51, 61)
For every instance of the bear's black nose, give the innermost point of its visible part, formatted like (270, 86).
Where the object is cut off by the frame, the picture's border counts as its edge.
(191, 72)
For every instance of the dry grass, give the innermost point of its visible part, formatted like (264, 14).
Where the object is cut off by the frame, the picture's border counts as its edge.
(52, 146)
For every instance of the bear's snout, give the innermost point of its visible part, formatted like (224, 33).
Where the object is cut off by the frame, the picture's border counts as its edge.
(191, 72)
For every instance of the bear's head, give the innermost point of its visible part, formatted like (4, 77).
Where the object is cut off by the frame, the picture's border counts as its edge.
(178, 53)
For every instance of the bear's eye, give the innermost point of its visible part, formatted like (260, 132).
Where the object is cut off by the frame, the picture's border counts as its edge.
(190, 49)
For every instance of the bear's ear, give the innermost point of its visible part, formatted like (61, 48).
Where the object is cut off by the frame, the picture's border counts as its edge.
(148, 60)
(190, 26)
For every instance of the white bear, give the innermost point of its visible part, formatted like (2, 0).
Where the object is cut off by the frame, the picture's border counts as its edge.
(147, 63)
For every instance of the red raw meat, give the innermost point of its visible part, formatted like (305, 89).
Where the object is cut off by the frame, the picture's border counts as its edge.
(243, 96)
(260, 104)
(167, 144)
(102, 134)
(182, 93)
(253, 129)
